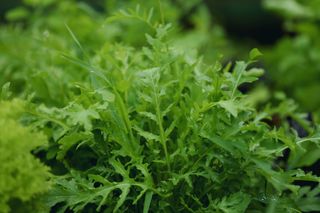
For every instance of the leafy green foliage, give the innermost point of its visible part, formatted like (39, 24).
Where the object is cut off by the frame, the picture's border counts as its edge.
(22, 176)
(159, 129)
(43, 37)
(136, 121)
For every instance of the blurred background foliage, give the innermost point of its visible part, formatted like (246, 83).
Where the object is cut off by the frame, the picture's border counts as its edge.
(293, 60)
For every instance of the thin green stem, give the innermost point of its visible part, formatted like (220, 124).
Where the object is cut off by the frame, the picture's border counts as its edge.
(125, 116)
(163, 139)
(161, 12)
(307, 139)
(299, 142)
(63, 125)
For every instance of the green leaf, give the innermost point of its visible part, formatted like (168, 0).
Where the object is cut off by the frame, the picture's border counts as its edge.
(290, 8)
(147, 202)
(5, 91)
(230, 106)
(237, 73)
(237, 202)
(69, 141)
(149, 115)
(17, 14)
(147, 135)
(226, 145)
(81, 116)
(254, 54)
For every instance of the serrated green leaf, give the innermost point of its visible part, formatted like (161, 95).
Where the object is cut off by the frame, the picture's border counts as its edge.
(147, 135)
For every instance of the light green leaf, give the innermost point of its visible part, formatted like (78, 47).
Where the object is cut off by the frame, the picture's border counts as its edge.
(147, 201)
(147, 135)
(230, 106)
(254, 54)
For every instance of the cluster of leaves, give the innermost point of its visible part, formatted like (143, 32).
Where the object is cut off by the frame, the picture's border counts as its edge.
(295, 58)
(39, 29)
(31, 49)
(140, 125)
(22, 177)
(154, 128)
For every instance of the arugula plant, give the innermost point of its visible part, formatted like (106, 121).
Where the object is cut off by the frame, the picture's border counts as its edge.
(146, 125)
(153, 129)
